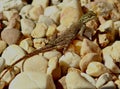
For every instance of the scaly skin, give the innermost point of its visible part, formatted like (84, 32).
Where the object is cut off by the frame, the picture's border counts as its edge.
(61, 41)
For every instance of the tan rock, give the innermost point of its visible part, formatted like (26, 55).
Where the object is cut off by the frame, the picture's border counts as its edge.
(89, 47)
(32, 80)
(55, 2)
(3, 45)
(27, 26)
(51, 54)
(2, 84)
(75, 81)
(89, 58)
(36, 63)
(61, 28)
(109, 63)
(117, 82)
(54, 68)
(35, 12)
(96, 69)
(51, 30)
(104, 78)
(13, 36)
(24, 12)
(89, 78)
(12, 53)
(110, 84)
(39, 43)
(69, 59)
(117, 25)
(63, 82)
(53, 12)
(43, 3)
(39, 30)
(2, 64)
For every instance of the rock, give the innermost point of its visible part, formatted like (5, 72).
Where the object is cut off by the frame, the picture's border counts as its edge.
(55, 2)
(13, 36)
(69, 59)
(35, 12)
(46, 20)
(24, 12)
(75, 81)
(63, 82)
(53, 12)
(71, 13)
(117, 82)
(89, 47)
(27, 44)
(2, 84)
(96, 69)
(36, 63)
(39, 31)
(43, 3)
(3, 45)
(2, 64)
(54, 68)
(33, 80)
(110, 85)
(51, 54)
(39, 42)
(109, 63)
(89, 58)
(104, 78)
(51, 30)
(12, 53)
(27, 26)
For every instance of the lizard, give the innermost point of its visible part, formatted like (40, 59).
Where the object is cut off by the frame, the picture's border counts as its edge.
(62, 41)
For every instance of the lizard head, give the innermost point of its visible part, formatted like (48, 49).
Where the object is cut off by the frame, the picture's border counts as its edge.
(88, 16)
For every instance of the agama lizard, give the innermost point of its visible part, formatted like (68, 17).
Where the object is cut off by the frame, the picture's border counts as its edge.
(61, 41)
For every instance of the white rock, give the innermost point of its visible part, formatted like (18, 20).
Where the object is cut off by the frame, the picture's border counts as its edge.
(75, 81)
(43, 3)
(32, 80)
(24, 12)
(104, 78)
(96, 69)
(51, 54)
(9, 4)
(55, 2)
(2, 64)
(3, 45)
(27, 26)
(89, 78)
(39, 31)
(110, 85)
(12, 53)
(53, 12)
(36, 63)
(69, 59)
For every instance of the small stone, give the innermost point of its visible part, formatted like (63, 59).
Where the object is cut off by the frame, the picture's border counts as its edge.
(117, 82)
(35, 12)
(2, 64)
(36, 63)
(104, 78)
(39, 43)
(54, 68)
(2, 84)
(11, 36)
(43, 3)
(39, 31)
(51, 54)
(53, 12)
(51, 30)
(69, 59)
(63, 82)
(89, 78)
(3, 45)
(89, 58)
(89, 47)
(75, 81)
(32, 80)
(27, 26)
(110, 85)
(96, 69)
(12, 53)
